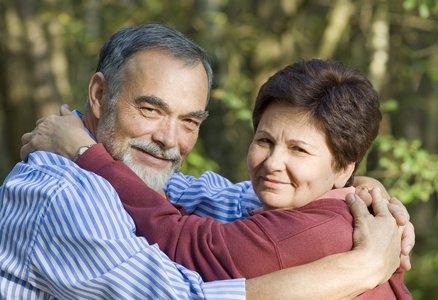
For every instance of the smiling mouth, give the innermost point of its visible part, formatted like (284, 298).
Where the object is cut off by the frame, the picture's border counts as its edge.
(152, 158)
(153, 155)
(266, 179)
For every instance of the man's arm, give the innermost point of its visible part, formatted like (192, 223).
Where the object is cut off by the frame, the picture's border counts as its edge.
(216, 196)
(345, 275)
(70, 237)
(337, 276)
(213, 195)
(317, 269)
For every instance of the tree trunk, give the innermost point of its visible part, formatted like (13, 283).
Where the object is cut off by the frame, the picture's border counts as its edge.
(34, 78)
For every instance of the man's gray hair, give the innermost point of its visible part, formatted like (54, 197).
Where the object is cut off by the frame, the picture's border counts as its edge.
(127, 42)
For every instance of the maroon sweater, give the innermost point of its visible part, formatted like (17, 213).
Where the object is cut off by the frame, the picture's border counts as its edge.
(264, 243)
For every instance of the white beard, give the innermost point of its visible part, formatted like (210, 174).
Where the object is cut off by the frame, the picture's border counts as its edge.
(155, 180)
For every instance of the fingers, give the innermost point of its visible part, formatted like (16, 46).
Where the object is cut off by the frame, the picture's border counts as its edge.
(378, 235)
(51, 134)
(40, 121)
(364, 194)
(398, 214)
(358, 208)
(64, 110)
(370, 183)
(24, 153)
(379, 204)
(398, 203)
(408, 239)
(405, 263)
(25, 138)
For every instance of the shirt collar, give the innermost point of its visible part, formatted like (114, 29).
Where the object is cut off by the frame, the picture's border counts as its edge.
(80, 115)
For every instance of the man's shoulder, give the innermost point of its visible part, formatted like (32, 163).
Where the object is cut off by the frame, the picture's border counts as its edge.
(43, 168)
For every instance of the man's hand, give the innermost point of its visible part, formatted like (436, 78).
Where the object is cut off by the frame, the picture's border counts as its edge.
(373, 260)
(377, 236)
(400, 213)
(364, 183)
(398, 210)
(62, 135)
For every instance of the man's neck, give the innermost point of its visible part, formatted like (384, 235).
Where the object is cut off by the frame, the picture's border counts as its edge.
(161, 192)
(90, 123)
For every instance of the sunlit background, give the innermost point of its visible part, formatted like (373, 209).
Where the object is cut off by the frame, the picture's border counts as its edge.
(48, 52)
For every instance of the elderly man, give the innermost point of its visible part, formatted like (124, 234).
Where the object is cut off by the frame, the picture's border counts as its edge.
(66, 235)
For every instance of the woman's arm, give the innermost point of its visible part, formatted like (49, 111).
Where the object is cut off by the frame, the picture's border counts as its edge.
(344, 275)
(219, 250)
(276, 239)
(339, 275)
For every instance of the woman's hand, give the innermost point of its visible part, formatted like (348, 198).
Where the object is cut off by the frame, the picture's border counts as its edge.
(62, 135)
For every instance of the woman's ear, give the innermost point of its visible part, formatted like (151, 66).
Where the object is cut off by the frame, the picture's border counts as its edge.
(343, 175)
(97, 90)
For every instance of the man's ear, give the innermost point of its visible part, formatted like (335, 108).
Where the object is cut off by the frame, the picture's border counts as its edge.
(97, 91)
(343, 175)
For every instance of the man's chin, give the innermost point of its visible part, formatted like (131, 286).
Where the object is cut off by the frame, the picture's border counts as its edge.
(154, 179)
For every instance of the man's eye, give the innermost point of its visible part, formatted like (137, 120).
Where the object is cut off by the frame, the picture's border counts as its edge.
(191, 123)
(148, 111)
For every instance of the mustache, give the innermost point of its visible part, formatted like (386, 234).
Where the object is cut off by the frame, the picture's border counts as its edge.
(171, 154)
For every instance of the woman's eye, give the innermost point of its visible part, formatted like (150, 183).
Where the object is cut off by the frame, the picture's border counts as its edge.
(299, 149)
(264, 141)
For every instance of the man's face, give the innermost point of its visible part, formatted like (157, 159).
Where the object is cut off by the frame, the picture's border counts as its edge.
(157, 115)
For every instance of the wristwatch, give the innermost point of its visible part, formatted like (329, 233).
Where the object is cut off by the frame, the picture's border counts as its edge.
(81, 151)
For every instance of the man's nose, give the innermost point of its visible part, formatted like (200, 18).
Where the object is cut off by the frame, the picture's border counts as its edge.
(166, 134)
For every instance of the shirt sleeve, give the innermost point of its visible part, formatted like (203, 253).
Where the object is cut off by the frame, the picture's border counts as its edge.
(73, 239)
(274, 240)
(213, 195)
(214, 249)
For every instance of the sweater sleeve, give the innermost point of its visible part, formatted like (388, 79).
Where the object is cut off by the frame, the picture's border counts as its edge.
(210, 247)
(246, 248)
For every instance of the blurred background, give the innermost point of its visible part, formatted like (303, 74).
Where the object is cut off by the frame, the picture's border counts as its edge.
(49, 50)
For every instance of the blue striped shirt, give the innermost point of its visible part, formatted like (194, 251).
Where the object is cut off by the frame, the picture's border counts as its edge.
(213, 195)
(64, 234)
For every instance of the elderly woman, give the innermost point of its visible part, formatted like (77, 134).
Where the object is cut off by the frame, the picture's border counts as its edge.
(314, 121)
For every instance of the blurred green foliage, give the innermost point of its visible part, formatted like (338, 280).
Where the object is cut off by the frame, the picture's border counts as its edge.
(425, 7)
(410, 171)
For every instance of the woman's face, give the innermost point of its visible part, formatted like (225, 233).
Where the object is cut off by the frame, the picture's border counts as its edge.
(290, 163)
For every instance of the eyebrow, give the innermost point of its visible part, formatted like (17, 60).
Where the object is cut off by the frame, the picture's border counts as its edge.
(289, 141)
(158, 102)
(295, 141)
(200, 114)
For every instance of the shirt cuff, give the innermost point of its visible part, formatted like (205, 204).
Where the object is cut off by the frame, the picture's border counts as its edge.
(225, 289)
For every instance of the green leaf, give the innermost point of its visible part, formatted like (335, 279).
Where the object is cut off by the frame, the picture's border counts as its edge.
(423, 10)
(409, 4)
